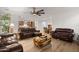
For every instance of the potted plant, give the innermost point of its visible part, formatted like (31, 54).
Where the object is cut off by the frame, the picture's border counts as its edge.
(5, 22)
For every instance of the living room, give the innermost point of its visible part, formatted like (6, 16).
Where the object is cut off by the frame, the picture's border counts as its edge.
(51, 29)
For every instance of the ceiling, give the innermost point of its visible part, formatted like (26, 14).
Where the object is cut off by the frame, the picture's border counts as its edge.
(48, 10)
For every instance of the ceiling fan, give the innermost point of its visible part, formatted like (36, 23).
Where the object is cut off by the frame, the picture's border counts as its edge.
(39, 12)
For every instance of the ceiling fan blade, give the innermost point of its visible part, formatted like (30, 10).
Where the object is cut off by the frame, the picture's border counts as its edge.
(40, 10)
(43, 13)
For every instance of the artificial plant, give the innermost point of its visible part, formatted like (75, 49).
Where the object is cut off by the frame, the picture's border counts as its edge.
(5, 22)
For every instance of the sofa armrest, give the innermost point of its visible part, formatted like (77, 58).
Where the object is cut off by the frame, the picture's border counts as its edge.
(52, 32)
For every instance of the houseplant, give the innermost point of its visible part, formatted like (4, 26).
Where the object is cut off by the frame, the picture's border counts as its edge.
(5, 19)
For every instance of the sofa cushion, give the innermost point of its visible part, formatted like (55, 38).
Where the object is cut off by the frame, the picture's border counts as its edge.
(28, 30)
(32, 30)
(25, 30)
(15, 47)
(3, 39)
(7, 41)
(11, 40)
(64, 30)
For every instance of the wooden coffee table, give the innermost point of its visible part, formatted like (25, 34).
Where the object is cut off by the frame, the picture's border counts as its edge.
(41, 41)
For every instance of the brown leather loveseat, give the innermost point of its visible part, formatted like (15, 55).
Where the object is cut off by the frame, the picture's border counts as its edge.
(63, 34)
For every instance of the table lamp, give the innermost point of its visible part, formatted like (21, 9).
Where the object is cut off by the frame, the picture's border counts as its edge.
(12, 28)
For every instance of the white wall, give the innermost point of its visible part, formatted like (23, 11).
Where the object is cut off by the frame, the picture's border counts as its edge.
(26, 13)
(66, 17)
(59, 17)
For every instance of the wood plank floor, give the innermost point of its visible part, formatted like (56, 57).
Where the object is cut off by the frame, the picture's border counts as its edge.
(56, 46)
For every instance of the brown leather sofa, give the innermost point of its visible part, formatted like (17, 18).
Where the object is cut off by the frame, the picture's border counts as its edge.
(63, 34)
(8, 43)
(28, 32)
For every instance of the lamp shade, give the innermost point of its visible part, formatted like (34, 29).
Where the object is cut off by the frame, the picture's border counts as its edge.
(12, 25)
(11, 28)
